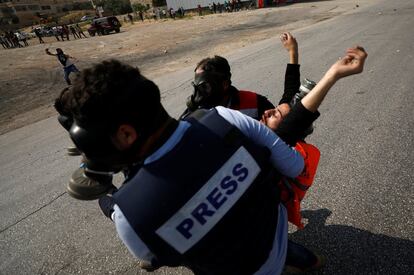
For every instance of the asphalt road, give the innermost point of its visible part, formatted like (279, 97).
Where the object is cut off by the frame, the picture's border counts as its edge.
(360, 210)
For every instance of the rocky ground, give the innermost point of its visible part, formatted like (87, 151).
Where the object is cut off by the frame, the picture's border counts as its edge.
(30, 80)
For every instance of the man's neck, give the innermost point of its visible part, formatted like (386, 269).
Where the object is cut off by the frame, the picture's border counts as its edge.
(159, 137)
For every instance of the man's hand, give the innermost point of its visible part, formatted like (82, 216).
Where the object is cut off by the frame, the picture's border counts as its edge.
(48, 52)
(351, 63)
(289, 42)
(291, 45)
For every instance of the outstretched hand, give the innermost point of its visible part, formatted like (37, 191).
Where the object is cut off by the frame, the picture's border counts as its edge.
(351, 63)
(289, 42)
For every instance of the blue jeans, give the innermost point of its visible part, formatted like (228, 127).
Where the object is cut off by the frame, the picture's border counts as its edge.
(67, 70)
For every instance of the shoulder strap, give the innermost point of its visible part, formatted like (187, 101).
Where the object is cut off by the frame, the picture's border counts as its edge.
(217, 124)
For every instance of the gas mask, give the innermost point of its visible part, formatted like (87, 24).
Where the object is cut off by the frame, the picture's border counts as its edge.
(101, 160)
(95, 142)
(208, 91)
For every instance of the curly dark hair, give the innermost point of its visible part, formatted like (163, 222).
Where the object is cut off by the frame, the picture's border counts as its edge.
(62, 101)
(111, 93)
(62, 107)
(216, 64)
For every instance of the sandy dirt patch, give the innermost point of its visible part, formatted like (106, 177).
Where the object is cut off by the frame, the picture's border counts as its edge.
(30, 80)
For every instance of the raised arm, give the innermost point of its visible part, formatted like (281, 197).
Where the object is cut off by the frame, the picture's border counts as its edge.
(49, 53)
(351, 63)
(292, 74)
(295, 125)
(290, 44)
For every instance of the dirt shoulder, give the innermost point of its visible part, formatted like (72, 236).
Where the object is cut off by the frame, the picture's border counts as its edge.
(30, 80)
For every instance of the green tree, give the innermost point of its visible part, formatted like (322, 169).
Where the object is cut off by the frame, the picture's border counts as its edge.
(159, 3)
(139, 7)
(82, 6)
(115, 6)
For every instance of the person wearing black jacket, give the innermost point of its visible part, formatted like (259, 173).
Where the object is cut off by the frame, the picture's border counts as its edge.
(290, 124)
(297, 122)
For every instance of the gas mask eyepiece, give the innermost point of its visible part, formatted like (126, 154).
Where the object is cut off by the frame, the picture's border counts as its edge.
(208, 90)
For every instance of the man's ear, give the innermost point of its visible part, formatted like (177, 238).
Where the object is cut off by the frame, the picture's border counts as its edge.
(125, 136)
(199, 70)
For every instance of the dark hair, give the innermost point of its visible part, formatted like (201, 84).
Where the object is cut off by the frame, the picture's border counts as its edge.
(111, 93)
(62, 107)
(216, 64)
(62, 102)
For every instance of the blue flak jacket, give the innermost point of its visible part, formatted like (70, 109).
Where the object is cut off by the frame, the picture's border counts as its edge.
(211, 203)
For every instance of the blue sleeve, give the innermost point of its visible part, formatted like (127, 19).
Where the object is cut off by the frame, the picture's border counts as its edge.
(284, 158)
(129, 237)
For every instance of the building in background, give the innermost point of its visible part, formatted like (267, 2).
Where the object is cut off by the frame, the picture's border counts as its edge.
(18, 13)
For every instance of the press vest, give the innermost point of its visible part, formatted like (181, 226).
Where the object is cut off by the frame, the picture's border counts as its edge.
(209, 204)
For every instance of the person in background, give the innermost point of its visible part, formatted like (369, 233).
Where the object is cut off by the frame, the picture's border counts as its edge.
(39, 35)
(74, 32)
(141, 15)
(80, 31)
(65, 60)
(65, 31)
(130, 18)
(3, 42)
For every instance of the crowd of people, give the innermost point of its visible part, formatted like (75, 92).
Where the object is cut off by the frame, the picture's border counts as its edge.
(227, 6)
(18, 39)
(64, 31)
(204, 191)
(158, 13)
(163, 13)
(10, 40)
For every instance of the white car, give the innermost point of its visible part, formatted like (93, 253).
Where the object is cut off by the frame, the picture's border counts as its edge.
(87, 18)
(24, 35)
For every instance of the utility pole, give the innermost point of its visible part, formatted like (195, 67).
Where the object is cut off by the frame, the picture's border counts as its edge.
(98, 9)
